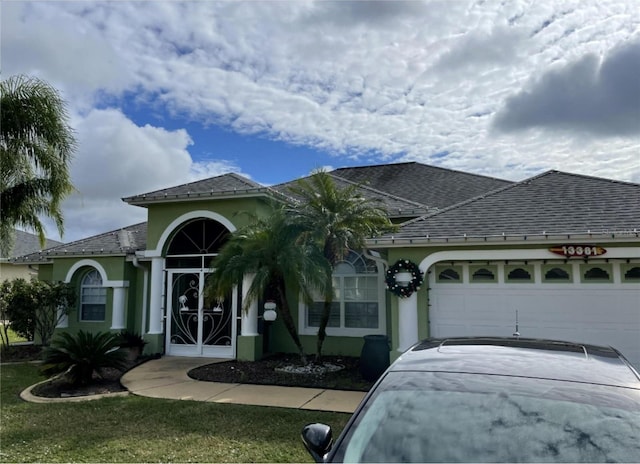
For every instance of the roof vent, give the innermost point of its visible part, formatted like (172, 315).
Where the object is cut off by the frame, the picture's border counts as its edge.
(124, 239)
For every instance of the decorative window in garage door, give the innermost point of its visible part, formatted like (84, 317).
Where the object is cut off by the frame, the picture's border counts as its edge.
(556, 273)
(631, 273)
(596, 273)
(449, 274)
(483, 274)
(517, 274)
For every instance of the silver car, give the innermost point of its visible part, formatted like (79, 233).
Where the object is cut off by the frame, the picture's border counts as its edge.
(493, 400)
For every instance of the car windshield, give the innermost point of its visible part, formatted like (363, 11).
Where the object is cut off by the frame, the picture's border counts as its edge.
(447, 417)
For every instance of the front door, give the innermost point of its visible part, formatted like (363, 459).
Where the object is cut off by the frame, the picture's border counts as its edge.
(196, 327)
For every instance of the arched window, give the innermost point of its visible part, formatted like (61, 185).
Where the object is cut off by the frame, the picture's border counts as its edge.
(483, 274)
(632, 274)
(356, 296)
(195, 244)
(93, 297)
(449, 275)
(519, 274)
(557, 274)
(596, 273)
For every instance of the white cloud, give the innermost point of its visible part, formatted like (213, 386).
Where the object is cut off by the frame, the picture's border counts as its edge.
(382, 81)
(115, 159)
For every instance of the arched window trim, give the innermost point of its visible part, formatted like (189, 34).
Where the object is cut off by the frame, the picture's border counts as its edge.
(363, 289)
(93, 297)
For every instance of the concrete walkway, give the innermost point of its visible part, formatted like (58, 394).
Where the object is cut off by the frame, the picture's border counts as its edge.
(167, 378)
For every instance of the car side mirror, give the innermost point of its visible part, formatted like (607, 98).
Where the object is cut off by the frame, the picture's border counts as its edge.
(317, 438)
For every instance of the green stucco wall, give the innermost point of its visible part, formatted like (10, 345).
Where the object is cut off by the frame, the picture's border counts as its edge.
(162, 215)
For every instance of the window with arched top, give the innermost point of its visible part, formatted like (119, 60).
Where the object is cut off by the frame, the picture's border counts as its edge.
(448, 275)
(519, 274)
(632, 274)
(93, 297)
(482, 274)
(555, 274)
(356, 298)
(196, 243)
(596, 273)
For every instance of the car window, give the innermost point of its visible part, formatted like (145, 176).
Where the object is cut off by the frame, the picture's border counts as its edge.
(444, 417)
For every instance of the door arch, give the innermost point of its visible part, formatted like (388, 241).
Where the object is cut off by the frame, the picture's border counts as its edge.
(195, 326)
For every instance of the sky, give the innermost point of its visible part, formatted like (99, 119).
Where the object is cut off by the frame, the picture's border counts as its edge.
(164, 93)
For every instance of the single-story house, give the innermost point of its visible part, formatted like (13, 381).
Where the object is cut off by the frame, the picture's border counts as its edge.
(555, 256)
(24, 243)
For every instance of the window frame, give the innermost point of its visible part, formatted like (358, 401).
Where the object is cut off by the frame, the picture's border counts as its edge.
(102, 294)
(343, 331)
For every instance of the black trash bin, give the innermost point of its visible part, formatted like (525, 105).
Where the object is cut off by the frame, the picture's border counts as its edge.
(374, 358)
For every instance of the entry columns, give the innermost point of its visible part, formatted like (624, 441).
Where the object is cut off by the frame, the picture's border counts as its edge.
(155, 297)
(117, 317)
(407, 322)
(250, 316)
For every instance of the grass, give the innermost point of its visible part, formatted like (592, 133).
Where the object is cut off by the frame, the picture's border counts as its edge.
(13, 337)
(137, 429)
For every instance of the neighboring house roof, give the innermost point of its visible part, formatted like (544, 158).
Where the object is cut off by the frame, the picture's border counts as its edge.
(551, 204)
(120, 242)
(395, 206)
(431, 186)
(223, 186)
(26, 243)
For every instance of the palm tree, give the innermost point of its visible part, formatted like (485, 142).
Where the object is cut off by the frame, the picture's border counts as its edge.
(36, 146)
(336, 220)
(269, 249)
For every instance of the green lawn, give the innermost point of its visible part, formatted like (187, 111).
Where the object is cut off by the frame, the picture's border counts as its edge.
(13, 337)
(136, 429)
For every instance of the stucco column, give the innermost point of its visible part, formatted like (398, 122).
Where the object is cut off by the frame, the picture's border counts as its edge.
(117, 314)
(407, 322)
(155, 297)
(250, 316)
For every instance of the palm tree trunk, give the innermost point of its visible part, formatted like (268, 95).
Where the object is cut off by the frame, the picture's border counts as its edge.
(289, 323)
(324, 321)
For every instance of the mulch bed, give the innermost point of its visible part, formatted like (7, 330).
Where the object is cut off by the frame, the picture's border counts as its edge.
(264, 372)
(58, 387)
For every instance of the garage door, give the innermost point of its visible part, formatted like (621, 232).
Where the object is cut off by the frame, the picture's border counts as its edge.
(597, 303)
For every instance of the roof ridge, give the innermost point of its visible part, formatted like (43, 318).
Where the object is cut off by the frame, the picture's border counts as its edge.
(586, 176)
(380, 192)
(428, 166)
(235, 175)
(476, 198)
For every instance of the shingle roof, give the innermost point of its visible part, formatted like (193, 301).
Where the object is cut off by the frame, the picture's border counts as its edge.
(552, 204)
(26, 243)
(431, 186)
(220, 186)
(118, 242)
(395, 206)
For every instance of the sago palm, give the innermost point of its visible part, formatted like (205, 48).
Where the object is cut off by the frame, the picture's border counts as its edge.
(80, 355)
(336, 220)
(36, 145)
(270, 249)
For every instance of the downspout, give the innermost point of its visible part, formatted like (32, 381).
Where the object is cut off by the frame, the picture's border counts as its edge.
(375, 256)
(144, 293)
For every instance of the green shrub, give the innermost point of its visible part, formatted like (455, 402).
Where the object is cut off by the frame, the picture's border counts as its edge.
(80, 355)
(129, 339)
(34, 308)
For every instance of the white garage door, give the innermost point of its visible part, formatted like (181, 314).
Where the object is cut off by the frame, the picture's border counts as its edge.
(598, 303)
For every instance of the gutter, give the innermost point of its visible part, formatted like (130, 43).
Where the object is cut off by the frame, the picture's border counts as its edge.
(630, 236)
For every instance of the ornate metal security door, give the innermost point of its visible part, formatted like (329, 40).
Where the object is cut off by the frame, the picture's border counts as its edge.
(196, 327)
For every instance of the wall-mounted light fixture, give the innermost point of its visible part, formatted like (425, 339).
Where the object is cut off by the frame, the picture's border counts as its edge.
(270, 313)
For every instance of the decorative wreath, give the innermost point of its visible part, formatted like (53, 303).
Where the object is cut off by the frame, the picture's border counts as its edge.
(403, 265)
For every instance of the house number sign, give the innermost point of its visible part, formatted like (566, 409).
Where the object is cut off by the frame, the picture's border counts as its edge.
(578, 250)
